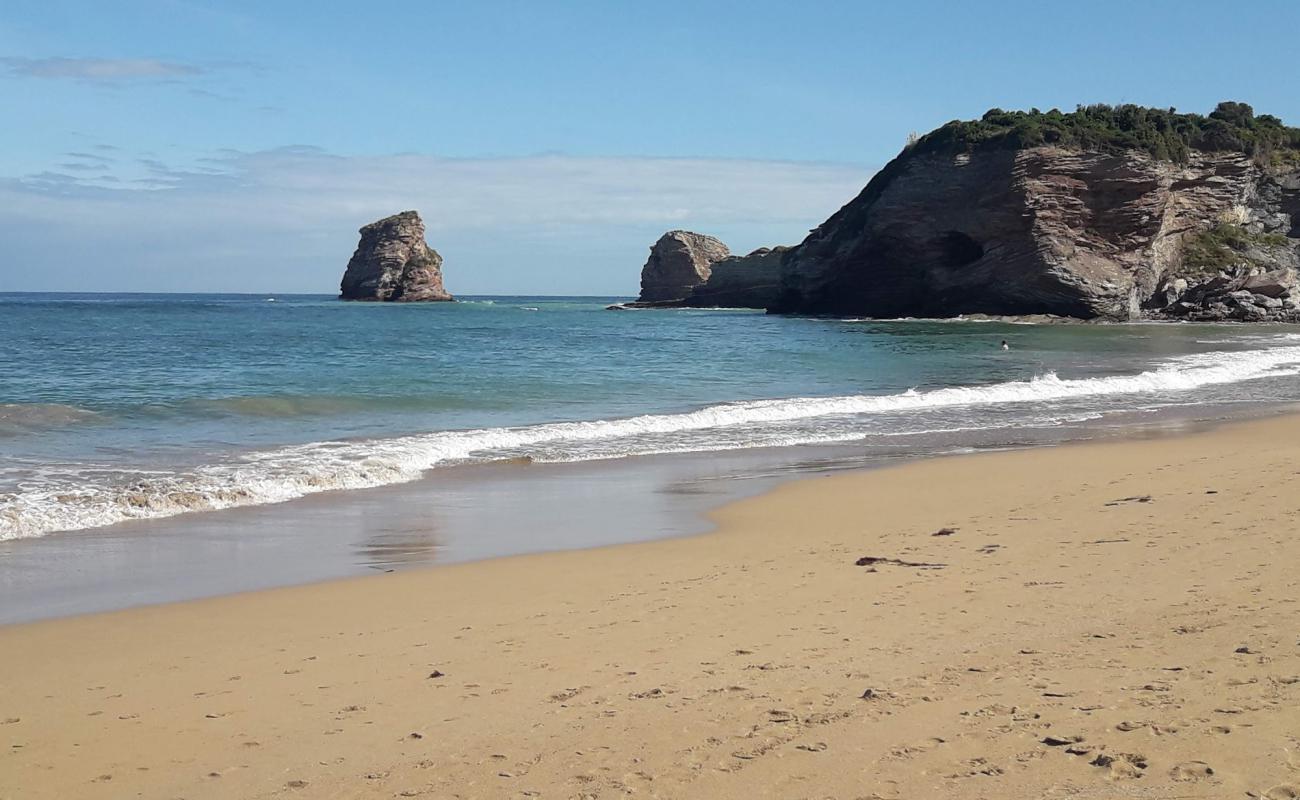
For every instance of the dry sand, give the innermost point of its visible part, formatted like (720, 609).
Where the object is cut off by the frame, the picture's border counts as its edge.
(1103, 620)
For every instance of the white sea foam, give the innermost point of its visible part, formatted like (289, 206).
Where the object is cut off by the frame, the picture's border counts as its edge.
(92, 500)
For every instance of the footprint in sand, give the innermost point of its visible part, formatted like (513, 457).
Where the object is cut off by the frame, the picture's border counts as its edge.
(1283, 791)
(1191, 771)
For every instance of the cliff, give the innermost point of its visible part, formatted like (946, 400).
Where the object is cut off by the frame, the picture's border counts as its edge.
(678, 262)
(749, 281)
(392, 262)
(1105, 213)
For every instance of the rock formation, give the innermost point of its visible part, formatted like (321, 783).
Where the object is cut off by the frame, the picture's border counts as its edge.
(750, 281)
(393, 263)
(691, 270)
(679, 262)
(1078, 229)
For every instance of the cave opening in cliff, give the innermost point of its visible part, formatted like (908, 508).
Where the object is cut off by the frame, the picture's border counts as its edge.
(959, 249)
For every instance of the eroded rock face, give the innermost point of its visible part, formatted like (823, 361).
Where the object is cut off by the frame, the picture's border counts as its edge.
(1243, 294)
(1041, 230)
(679, 261)
(749, 281)
(393, 263)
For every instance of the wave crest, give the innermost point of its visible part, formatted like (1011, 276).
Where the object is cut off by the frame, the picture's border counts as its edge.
(18, 418)
(286, 473)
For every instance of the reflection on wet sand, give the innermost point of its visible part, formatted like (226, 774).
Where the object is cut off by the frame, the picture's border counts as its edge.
(407, 546)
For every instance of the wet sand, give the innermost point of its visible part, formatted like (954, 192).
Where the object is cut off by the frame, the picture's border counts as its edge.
(464, 513)
(1112, 619)
(454, 515)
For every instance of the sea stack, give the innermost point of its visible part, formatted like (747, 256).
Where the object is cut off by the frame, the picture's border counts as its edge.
(679, 261)
(393, 263)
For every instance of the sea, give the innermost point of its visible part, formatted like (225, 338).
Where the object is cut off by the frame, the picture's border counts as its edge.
(141, 413)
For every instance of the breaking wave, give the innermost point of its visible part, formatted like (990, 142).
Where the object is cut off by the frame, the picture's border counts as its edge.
(74, 501)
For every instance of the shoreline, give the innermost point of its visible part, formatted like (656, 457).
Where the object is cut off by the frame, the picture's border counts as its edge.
(473, 512)
(1104, 617)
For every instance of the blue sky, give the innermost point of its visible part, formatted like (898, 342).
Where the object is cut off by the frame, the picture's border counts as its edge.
(195, 145)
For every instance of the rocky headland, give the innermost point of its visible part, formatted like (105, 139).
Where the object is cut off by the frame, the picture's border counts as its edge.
(393, 263)
(1104, 213)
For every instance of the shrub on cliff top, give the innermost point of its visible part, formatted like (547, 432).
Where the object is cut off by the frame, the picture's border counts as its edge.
(1164, 133)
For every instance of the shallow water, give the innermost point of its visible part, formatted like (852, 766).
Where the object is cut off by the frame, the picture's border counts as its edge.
(137, 407)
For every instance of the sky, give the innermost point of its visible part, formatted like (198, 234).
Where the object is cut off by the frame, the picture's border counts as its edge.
(206, 146)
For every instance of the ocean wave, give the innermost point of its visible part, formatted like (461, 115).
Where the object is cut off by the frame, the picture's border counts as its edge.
(287, 406)
(286, 473)
(26, 417)
(271, 405)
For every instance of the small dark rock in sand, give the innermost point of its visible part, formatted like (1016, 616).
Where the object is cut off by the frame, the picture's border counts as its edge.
(1061, 741)
(871, 694)
(944, 532)
(1146, 498)
(437, 673)
(871, 561)
(1244, 650)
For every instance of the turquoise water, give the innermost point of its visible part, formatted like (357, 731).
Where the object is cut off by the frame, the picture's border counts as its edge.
(116, 407)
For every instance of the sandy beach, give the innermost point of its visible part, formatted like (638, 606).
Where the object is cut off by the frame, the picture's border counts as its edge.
(1096, 620)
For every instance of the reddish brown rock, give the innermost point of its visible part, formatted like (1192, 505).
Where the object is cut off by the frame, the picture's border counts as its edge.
(394, 263)
(1040, 230)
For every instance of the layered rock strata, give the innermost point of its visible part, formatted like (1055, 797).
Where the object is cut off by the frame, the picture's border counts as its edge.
(393, 263)
(1051, 230)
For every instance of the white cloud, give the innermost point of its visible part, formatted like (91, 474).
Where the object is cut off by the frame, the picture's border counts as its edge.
(286, 219)
(97, 69)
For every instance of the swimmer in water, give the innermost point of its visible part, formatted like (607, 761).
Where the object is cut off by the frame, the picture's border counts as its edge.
(1005, 346)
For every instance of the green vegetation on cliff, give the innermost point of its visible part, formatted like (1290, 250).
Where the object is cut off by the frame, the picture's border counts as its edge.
(1164, 133)
(1227, 245)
